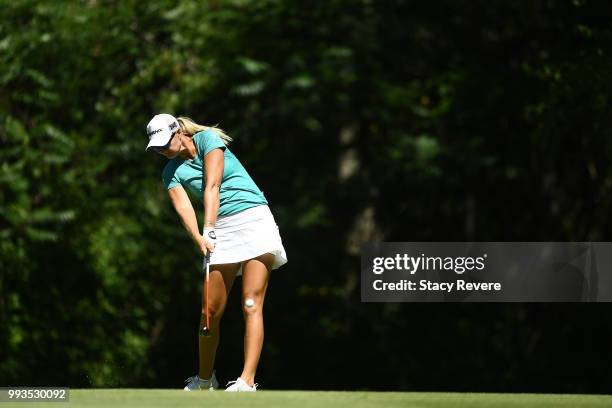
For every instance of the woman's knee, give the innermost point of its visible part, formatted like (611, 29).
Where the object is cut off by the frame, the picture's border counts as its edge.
(252, 302)
(215, 311)
(255, 277)
(221, 281)
(215, 308)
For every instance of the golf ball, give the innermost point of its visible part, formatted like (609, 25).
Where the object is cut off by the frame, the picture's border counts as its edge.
(249, 303)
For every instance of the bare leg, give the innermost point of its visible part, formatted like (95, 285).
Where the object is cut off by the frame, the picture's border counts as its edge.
(221, 279)
(255, 275)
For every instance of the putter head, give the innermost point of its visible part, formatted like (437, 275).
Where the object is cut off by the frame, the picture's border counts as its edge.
(205, 331)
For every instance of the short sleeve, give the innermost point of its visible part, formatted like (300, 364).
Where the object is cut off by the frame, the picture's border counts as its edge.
(169, 177)
(207, 141)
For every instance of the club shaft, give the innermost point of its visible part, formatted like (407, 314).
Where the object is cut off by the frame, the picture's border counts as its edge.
(207, 287)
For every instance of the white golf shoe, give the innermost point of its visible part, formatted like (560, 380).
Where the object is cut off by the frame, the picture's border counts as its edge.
(197, 383)
(240, 386)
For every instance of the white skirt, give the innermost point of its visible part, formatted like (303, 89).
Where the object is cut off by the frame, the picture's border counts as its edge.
(246, 235)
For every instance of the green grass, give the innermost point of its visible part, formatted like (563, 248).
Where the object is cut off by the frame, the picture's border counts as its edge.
(116, 398)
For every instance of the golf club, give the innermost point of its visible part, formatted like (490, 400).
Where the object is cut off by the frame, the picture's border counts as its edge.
(205, 330)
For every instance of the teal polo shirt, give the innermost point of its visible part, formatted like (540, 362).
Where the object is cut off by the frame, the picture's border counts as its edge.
(238, 191)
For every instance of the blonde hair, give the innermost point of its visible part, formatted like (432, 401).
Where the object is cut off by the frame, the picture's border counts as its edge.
(191, 128)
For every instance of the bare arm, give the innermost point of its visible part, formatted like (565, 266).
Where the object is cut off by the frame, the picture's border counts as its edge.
(182, 205)
(213, 163)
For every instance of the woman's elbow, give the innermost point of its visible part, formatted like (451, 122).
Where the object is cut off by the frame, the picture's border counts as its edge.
(213, 185)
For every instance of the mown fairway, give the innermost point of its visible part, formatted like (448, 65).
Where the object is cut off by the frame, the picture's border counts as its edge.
(115, 398)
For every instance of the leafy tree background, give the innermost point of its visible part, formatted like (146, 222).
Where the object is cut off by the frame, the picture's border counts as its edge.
(361, 121)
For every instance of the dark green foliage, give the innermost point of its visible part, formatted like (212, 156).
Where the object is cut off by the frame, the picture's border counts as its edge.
(360, 120)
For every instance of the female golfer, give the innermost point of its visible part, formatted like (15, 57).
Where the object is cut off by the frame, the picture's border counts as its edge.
(240, 233)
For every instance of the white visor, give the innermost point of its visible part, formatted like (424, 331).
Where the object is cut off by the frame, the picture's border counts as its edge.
(160, 129)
